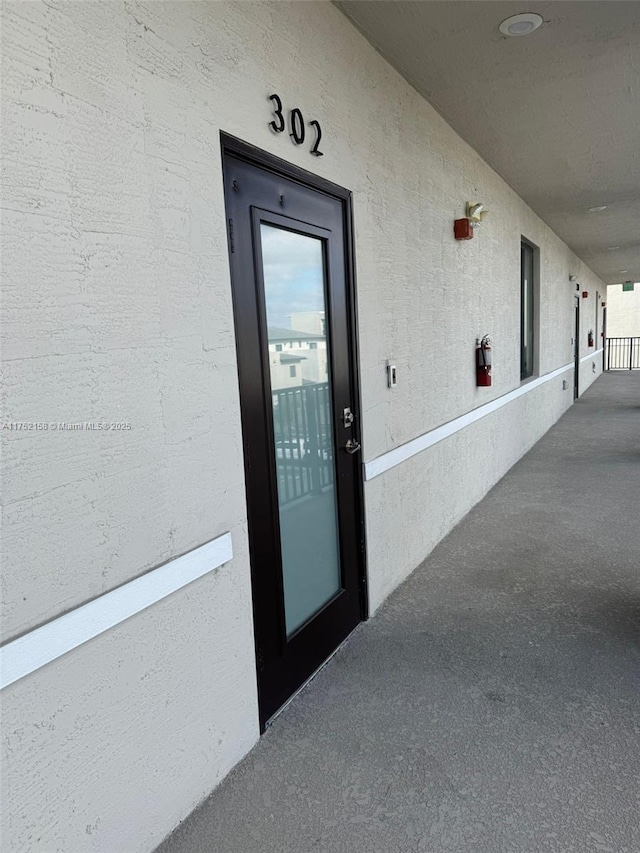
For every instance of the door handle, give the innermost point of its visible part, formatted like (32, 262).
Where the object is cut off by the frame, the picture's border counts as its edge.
(352, 446)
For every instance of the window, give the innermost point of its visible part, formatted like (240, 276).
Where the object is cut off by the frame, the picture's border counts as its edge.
(313, 346)
(278, 347)
(527, 309)
(292, 370)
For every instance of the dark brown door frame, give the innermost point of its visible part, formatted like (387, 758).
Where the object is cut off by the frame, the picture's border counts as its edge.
(576, 350)
(239, 150)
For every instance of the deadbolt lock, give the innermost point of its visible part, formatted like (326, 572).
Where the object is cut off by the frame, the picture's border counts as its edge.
(347, 417)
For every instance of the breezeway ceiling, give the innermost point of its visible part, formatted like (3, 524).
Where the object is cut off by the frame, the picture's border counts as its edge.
(556, 113)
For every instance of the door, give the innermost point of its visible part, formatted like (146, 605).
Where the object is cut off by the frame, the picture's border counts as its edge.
(576, 350)
(289, 247)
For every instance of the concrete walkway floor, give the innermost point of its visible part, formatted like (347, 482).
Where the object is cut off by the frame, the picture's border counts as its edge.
(493, 703)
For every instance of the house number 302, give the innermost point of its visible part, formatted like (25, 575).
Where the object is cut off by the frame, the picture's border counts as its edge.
(296, 125)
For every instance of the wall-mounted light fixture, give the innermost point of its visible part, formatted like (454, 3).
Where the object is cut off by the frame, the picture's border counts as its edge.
(475, 213)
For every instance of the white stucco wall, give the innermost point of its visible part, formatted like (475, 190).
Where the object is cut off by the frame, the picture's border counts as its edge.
(117, 307)
(623, 311)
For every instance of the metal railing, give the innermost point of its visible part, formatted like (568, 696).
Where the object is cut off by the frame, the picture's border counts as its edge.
(303, 440)
(623, 353)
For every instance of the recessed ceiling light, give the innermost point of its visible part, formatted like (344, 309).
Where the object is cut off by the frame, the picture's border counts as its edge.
(520, 25)
(598, 208)
(613, 248)
(623, 270)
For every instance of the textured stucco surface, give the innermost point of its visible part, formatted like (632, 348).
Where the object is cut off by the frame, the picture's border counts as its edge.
(492, 704)
(117, 307)
(623, 311)
(104, 749)
(121, 309)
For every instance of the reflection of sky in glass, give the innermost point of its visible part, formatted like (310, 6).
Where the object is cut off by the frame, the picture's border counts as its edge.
(293, 274)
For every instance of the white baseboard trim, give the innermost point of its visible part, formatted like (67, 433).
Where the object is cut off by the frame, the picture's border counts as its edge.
(400, 454)
(39, 647)
(591, 355)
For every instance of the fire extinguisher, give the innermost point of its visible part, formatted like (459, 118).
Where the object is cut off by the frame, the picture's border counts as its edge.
(590, 337)
(483, 362)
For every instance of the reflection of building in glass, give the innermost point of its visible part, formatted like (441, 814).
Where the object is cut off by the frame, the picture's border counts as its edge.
(298, 356)
(309, 321)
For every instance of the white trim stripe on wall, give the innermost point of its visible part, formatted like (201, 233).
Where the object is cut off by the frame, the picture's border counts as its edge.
(591, 355)
(400, 454)
(37, 648)
(45, 644)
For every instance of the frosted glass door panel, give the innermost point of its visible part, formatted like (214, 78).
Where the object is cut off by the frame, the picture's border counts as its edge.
(294, 285)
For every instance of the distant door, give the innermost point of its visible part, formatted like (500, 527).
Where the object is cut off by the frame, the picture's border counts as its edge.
(576, 350)
(294, 317)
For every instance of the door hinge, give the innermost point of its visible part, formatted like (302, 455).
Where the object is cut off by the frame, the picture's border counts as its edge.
(231, 243)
